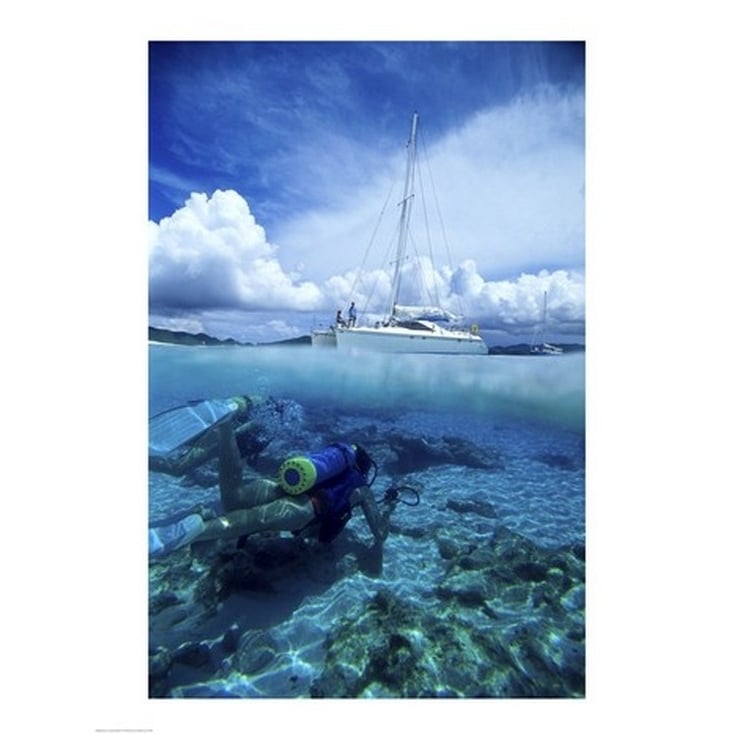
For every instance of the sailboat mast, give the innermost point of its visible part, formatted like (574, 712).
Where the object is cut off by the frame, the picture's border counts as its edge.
(405, 207)
(545, 314)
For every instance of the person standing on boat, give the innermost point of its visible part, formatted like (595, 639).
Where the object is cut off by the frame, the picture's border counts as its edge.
(352, 315)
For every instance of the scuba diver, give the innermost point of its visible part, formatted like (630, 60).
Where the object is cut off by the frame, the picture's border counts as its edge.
(314, 493)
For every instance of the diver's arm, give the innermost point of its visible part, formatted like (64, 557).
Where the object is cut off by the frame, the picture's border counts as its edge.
(372, 559)
(230, 466)
(378, 524)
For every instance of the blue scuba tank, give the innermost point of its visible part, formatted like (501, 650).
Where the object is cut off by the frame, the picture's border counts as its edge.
(301, 473)
(333, 502)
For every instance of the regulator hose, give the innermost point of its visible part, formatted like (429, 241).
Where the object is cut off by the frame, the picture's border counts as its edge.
(392, 494)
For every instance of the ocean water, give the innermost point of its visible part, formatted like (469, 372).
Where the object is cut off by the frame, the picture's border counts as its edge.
(481, 588)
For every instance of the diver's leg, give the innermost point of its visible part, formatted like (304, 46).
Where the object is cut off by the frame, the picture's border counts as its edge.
(230, 467)
(234, 493)
(256, 491)
(286, 513)
(259, 491)
(250, 438)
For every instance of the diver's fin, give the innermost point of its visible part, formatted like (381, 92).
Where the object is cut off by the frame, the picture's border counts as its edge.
(165, 539)
(173, 428)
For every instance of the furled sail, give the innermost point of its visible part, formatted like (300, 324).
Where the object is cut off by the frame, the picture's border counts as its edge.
(429, 313)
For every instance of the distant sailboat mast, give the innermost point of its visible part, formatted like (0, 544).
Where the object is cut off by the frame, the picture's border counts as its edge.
(545, 314)
(405, 208)
(543, 347)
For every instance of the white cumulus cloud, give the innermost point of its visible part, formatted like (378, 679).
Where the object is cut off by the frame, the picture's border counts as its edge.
(516, 305)
(211, 253)
(211, 264)
(511, 305)
(510, 183)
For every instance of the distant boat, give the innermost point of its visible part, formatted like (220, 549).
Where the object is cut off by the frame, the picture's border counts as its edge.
(544, 347)
(548, 349)
(321, 337)
(408, 328)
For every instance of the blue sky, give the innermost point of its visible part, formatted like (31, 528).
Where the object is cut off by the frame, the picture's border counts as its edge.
(269, 164)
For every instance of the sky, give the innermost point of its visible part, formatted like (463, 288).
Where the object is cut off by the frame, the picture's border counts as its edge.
(270, 164)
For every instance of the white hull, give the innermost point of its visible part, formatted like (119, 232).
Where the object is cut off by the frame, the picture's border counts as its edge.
(547, 349)
(398, 339)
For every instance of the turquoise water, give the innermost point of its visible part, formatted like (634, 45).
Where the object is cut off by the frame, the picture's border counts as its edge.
(481, 591)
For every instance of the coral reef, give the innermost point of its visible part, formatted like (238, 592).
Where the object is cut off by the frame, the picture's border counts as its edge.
(481, 593)
(530, 643)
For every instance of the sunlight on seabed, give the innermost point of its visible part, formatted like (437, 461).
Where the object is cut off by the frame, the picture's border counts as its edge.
(540, 388)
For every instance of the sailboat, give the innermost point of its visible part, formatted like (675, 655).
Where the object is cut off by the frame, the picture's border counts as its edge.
(543, 347)
(407, 328)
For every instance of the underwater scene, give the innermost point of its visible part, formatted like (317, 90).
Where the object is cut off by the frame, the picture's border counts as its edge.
(477, 468)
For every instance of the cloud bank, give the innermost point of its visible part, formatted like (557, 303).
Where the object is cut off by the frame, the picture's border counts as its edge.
(211, 256)
(211, 253)
(510, 182)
